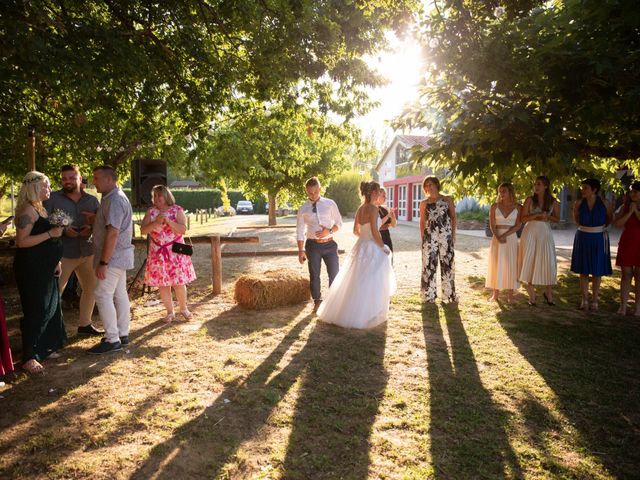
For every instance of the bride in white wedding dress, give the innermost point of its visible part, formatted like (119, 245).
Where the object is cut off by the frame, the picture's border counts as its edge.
(359, 295)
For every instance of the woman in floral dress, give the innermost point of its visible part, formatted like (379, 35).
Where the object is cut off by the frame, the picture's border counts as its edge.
(438, 229)
(166, 223)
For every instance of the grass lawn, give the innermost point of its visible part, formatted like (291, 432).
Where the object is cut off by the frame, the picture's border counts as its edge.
(473, 390)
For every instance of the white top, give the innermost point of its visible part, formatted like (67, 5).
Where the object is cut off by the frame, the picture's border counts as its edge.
(309, 222)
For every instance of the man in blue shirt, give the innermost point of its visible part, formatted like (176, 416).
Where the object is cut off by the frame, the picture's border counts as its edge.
(113, 252)
(77, 253)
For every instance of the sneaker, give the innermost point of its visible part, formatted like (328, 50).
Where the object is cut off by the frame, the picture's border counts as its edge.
(89, 330)
(124, 340)
(105, 347)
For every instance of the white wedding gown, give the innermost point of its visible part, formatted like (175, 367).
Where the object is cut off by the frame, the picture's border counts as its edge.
(359, 295)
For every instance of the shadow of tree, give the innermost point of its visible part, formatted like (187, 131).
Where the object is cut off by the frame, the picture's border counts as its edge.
(592, 363)
(35, 393)
(342, 380)
(468, 431)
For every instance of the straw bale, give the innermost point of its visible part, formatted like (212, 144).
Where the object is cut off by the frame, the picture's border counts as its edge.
(270, 289)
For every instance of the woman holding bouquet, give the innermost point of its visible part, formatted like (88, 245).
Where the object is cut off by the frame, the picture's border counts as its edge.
(36, 267)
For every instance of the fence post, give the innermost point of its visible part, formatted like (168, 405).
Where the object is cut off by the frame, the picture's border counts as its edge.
(216, 265)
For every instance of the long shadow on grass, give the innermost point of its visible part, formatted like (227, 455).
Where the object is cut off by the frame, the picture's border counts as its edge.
(342, 379)
(339, 398)
(468, 431)
(592, 363)
(37, 392)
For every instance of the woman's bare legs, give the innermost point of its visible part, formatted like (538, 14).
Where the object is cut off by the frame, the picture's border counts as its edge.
(181, 297)
(167, 301)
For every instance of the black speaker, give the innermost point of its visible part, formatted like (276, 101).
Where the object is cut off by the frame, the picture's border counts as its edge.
(146, 174)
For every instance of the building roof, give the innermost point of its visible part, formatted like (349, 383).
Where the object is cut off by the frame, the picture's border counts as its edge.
(407, 141)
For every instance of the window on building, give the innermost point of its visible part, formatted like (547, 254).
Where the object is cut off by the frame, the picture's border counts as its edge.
(390, 197)
(416, 198)
(402, 201)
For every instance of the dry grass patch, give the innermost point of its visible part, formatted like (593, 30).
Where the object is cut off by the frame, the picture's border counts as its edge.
(474, 390)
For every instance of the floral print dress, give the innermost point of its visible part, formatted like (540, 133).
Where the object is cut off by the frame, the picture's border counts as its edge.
(164, 267)
(437, 245)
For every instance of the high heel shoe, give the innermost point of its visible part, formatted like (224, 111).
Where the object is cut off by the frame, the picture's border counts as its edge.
(547, 301)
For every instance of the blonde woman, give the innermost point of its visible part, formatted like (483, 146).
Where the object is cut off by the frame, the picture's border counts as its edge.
(504, 220)
(37, 268)
(166, 223)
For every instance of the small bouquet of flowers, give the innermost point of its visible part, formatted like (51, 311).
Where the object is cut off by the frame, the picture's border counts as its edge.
(60, 218)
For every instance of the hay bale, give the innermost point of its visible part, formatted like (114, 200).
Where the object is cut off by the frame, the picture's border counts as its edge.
(273, 288)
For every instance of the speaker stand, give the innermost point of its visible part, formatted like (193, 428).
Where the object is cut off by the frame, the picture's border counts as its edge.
(140, 270)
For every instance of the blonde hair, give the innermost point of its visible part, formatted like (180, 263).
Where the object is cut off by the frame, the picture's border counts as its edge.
(164, 192)
(510, 188)
(31, 190)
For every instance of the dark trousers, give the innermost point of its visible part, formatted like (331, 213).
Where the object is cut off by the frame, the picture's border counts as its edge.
(316, 253)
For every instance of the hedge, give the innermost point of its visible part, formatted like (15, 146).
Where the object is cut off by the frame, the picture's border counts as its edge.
(204, 198)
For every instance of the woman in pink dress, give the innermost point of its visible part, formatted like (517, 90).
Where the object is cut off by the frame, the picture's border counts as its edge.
(166, 223)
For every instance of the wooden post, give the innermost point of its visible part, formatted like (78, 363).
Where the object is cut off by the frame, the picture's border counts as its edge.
(216, 265)
(31, 148)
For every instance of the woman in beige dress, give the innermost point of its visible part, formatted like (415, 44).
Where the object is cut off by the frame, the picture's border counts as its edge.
(537, 254)
(504, 220)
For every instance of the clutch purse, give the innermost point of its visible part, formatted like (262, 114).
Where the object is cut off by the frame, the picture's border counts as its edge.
(182, 248)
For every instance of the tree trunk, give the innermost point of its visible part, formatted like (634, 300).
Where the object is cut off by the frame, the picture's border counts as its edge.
(272, 207)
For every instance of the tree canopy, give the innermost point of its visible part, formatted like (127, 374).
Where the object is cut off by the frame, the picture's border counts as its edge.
(523, 88)
(104, 81)
(275, 148)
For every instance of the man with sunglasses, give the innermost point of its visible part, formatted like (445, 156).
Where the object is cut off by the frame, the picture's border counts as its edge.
(318, 219)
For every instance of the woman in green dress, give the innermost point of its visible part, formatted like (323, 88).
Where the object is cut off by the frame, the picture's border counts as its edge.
(36, 267)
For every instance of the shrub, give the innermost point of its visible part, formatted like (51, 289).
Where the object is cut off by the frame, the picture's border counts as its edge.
(205, 198)
(345, 191)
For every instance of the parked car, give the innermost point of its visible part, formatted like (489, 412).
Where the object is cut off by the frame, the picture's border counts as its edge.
(286, 209)
(244, 206)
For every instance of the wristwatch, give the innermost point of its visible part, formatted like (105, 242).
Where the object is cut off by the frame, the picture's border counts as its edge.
(102, 262)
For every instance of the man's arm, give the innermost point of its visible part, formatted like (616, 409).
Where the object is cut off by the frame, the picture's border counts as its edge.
(300, 236)
(107, 251)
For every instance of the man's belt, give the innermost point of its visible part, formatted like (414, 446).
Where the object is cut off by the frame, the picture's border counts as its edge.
(320, 240)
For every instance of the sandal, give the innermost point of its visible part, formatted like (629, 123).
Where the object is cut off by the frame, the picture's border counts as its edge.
(186, 314)
(584, 305)
(169, 318)
(547, 301)
(54, 355)
(32, 367)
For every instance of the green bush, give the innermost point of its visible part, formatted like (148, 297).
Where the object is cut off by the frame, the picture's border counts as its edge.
(345, 191)
(204, 198)
(479, 214)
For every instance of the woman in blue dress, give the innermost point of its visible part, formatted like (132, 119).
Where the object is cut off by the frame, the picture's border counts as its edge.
(591, 256)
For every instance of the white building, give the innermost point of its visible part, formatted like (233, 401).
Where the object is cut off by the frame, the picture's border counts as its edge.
(404, 187)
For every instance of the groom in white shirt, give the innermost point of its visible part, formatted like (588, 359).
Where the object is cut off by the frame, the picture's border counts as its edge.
(318, 219)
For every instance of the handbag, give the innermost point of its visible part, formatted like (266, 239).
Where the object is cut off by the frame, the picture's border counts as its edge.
(182, 248)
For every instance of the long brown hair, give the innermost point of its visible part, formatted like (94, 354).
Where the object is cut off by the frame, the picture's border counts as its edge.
(548, 198)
